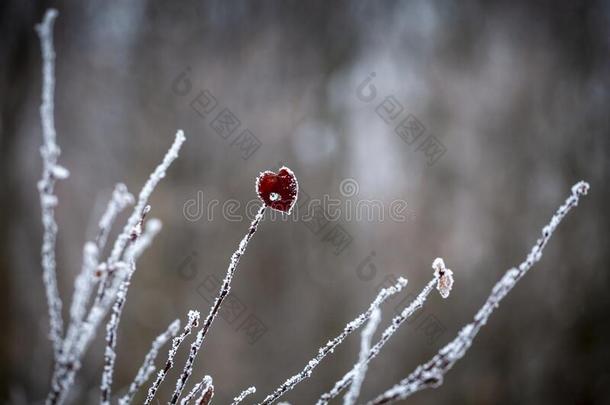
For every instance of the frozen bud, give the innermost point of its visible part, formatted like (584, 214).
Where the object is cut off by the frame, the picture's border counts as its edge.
(444, 277)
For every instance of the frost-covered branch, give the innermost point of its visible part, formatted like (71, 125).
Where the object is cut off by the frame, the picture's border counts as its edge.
(397, 321)
(201, 386)
(193, 321)
(51, 172)
(148, 366)
(85, 281)
(66, 369)
(361, 367)
(330, 346)
(111, 337)
(243, 395)
(224, 291)
(431, 374)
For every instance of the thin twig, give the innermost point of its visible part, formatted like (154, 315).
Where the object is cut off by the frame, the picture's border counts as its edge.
(330, 346)
(111, 337)
(361, 366)
(397, 321)
(193, 321)
(51, 171)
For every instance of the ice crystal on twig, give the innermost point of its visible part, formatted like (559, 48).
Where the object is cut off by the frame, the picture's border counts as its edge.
(431, 374)
(330, 346)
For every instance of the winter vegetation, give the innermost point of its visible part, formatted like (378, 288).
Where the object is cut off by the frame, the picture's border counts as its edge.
(102, 286)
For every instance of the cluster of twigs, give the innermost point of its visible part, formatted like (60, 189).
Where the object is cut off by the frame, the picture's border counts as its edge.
(112, 277)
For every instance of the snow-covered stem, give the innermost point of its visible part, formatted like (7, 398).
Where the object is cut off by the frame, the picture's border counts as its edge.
(193, 322)
(243, 395)
(148, 365)
(330, 346)
(111, 337)
(51, 171)
(361, 367)
(431, 374)
(225, 288)
(397, 321)
(200, 386)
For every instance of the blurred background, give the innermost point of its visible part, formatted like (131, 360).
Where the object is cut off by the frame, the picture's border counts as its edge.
(476, 117)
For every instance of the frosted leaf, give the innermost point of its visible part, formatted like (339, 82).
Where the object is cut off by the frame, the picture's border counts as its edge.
(278, 191)
(444, 277)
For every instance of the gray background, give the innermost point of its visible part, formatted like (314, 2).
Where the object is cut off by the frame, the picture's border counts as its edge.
(517, 92)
